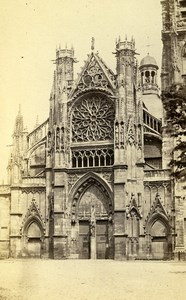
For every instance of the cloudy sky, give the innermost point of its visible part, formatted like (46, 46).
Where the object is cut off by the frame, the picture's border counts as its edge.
(30, 32)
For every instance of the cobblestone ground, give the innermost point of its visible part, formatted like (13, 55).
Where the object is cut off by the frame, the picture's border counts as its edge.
(91, 280)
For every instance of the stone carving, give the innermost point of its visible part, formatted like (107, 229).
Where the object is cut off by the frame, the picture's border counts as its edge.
(94, 76)
(72, 179)
(139, 137)
(117, 135)
(131, 138)
(73, 219)
(33, 190)
(157, 208)
(181, 23)
(62, 137)
(92, 120)
(93, 221)
(33, 213)
(133, 209)
(57, 138)
(122, 134)
(49, 140)
(131, 132)
(92, 187)
(108, 177)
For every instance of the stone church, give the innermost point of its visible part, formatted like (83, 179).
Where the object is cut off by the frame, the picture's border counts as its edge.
(93, 181)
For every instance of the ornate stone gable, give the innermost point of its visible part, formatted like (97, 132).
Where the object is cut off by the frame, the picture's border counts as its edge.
(133, 208)
(157, 210)
(33, 213)
(95, 75)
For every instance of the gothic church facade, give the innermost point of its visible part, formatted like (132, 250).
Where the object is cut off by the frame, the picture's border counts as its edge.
(93, 180)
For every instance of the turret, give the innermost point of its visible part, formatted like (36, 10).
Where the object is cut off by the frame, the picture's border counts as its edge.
(126, 74)
(62, 84)
(148, 70)
(125, 55)
(126, 104)
(64, 67)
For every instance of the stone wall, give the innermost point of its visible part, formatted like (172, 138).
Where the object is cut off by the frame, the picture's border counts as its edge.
(4, 221)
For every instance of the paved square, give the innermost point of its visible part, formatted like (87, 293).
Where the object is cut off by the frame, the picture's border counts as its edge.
(91, 280)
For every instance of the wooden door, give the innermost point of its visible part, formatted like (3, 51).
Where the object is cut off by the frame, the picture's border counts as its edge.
(102, 239)
(34, 247)
(159, 245)
(84, 240)
(159, 248)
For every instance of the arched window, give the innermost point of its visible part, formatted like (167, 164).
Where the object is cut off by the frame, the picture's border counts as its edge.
(147, 77)
(153, 76)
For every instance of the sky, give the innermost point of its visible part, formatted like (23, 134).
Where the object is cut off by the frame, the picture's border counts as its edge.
(30, 32)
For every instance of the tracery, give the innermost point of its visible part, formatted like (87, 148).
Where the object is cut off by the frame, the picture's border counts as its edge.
(92, 120)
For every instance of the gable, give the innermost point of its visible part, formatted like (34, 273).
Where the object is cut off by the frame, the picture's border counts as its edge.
(95, 75)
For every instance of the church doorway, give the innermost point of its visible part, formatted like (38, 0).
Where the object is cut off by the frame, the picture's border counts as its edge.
(159, 237)
(94, 213)
(34, 243)
(87, 242)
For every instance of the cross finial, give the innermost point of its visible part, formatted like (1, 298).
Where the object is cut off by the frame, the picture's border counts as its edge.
(92, 43)
(148, 45)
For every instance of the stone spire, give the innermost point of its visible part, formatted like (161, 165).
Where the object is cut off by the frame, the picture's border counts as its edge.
(18, 129)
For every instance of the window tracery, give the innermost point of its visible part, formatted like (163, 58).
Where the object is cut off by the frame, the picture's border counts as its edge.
(92, 120)
(92, 158)
(93, 76)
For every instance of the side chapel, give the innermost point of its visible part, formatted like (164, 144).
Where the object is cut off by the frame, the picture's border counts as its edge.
(93, 181)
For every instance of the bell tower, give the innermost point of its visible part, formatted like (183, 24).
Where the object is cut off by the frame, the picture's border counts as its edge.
(173, 76)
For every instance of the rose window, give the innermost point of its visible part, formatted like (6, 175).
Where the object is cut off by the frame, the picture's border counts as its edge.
(92, 120)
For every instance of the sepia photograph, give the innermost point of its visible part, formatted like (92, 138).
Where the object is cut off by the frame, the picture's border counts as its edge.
(93, 149)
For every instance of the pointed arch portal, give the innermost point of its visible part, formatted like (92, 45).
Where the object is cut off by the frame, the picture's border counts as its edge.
(33, 232)
(92, 207)
(159, 240)
(33, 237)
